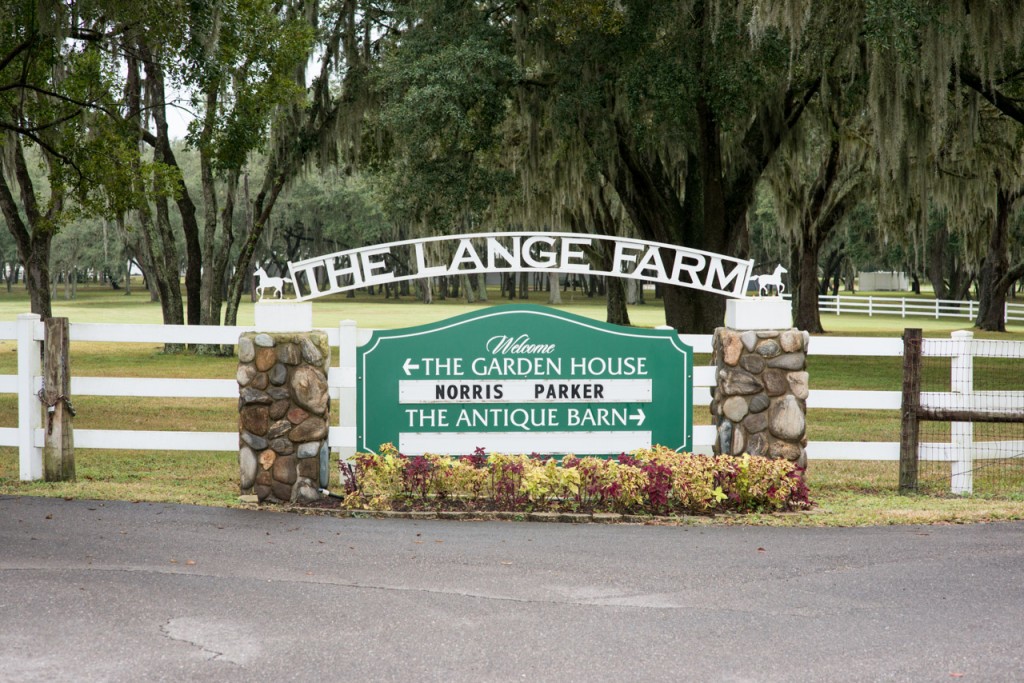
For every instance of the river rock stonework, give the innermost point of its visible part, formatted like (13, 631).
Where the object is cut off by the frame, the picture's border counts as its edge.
(760, 400)
(283, 415)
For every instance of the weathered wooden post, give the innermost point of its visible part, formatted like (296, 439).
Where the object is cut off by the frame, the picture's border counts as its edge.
(59, 448)
(911, 403)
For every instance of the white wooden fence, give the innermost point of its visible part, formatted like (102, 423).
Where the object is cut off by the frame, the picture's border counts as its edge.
(904, 307)
(28, 436)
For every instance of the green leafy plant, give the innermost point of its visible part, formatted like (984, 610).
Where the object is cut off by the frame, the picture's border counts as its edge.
(657, 481)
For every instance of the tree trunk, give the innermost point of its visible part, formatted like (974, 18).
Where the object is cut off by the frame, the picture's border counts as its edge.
(163, 267)
(937, 261)
(214, 258)
(186, 208)
(993, 283)
(157, 237)
(37, 274)
(32, 235)
(554, 291)
(617, 312)
(833, 265)
(827, 201)
(699, 221)
(242, 277)
(804, 280)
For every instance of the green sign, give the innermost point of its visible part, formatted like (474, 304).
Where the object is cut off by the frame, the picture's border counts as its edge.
(524, 379)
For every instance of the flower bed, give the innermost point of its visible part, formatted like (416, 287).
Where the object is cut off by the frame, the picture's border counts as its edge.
(655, 481)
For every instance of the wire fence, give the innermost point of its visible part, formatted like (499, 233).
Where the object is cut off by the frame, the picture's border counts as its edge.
(972, 432)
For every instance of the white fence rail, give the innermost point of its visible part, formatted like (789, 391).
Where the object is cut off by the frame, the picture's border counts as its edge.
(28, 436)
(908, 308)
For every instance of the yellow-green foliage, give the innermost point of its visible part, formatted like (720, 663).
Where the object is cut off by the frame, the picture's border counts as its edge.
(656, 481)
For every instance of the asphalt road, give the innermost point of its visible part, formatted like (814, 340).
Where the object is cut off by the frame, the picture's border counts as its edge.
(95, 591)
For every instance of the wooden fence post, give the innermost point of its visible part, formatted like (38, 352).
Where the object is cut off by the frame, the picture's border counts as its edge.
(911, 402)
(59, 448)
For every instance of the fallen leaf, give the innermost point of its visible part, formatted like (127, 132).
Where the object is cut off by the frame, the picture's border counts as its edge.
(761, 550)
(49, 516)
(190, 562)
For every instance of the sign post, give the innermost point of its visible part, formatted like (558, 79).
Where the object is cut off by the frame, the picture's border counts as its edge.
(524, 379)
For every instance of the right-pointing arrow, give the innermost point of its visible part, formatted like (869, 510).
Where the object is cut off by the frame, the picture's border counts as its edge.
(639, 417)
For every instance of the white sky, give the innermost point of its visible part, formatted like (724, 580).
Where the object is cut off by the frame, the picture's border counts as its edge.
(179, 115)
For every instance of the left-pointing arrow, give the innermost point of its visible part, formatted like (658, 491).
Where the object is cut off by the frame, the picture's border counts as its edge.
(409, 366)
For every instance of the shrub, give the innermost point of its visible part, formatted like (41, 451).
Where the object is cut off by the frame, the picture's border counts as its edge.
(647, 481)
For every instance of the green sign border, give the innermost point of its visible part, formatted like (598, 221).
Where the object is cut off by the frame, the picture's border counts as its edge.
(499, 311)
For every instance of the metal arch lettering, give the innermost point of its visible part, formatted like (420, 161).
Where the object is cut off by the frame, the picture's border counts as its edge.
(520, 252)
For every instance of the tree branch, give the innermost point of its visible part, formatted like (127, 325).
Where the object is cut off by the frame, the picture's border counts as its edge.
(16, 226)
(84, 104)
(9, 57)
(992, 95)
(761, 142)
(22, 130)
(1012, 275)
(50, 149)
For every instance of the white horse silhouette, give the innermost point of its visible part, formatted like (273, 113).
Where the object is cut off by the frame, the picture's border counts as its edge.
(774, 280)
(267, 282)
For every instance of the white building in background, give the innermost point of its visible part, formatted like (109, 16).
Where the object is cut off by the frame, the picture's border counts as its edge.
(883, 281)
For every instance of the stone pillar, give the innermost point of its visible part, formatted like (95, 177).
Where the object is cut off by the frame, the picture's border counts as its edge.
(759, 402)
(284, 415)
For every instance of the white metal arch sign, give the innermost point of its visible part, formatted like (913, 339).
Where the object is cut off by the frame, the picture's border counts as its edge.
(518, 252)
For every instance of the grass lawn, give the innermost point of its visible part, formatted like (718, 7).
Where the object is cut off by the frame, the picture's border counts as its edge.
(847, 493)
